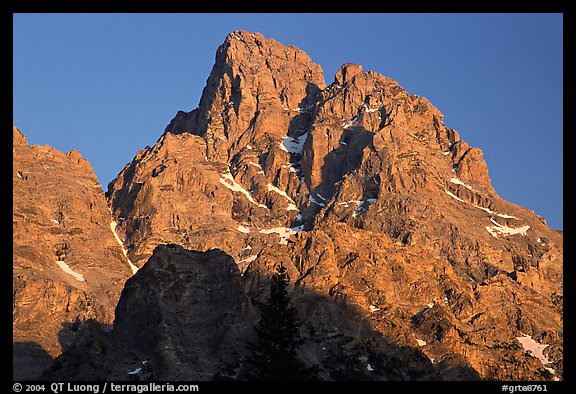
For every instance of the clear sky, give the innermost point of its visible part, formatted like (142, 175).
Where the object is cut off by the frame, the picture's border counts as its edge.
(108, 84)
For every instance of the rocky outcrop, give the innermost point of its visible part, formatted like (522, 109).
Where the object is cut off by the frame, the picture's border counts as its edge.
(405, 262)
(174, 321)
(363, 188)
(414, 297)
(186, 316)
(231, 158)
(257, 87)
(183, 304)
(67, 265)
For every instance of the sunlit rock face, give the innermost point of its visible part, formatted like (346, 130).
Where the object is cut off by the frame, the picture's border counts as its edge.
(67, 264)
(405, 264)
(365, 193)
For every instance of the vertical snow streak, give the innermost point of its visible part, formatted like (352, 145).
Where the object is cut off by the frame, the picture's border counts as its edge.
(113, 225)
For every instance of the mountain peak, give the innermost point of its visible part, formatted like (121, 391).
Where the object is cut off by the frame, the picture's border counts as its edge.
(375, 207)
(243, 35)
(257, 86)
(346, 72)
(259, 44)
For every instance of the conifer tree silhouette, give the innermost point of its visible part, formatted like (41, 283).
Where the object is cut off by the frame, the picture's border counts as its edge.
(273, 357)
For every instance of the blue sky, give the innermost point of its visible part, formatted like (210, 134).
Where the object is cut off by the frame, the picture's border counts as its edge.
(108, 84)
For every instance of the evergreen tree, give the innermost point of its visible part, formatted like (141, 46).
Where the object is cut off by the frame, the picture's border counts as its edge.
(274, 354)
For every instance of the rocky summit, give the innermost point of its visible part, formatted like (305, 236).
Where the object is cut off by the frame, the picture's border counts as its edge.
(405, 264)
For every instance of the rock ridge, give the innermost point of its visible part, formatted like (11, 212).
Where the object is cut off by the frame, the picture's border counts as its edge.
(67, 267)
(385, 218)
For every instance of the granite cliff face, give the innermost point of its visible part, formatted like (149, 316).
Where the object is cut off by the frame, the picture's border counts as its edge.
(67, 264)
(229, 159)
(405, 262)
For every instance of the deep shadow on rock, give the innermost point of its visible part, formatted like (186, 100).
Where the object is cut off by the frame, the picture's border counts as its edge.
(187, 316)
(346, 158)
(302, 122)
(29, 360)
(87, 359)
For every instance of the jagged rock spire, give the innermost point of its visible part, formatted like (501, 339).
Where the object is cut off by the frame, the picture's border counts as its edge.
(257, 86)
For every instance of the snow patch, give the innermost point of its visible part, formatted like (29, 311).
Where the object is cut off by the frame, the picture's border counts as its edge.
(249, 259)
(363, 206)
(350, 202)
(134, 372)
(292, 205)
(301, 110)
(502, 215)
(64, 267)
(313, 201)
(113, 225)
(536, 349)
(369, 367)
(366, 109)
(297, 229)
(293, 145)
(459, 182)
(428, 308)
(454, 196)
(499, 229)
(255, 165)
(351, 123)
(283, 232)
(228, 180)
(243, 229)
